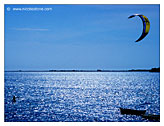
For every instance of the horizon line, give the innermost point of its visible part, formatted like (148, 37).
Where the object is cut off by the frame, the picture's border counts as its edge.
(84, 70)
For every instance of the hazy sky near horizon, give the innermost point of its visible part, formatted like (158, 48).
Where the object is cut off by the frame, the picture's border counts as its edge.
(80, 37)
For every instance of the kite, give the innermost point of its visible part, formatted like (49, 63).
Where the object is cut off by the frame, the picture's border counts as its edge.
(146, 25)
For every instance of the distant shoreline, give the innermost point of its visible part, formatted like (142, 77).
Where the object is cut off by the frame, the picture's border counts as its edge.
(98, 70)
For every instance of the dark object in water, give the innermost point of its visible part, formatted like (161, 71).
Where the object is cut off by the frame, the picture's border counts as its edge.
(132, 111)
(14, 99)
(151, 117)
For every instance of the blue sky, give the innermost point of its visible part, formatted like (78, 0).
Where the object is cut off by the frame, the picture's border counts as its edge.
(80, 37)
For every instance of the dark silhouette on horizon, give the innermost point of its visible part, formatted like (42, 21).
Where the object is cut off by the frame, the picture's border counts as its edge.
(155, 70)
(98, 70)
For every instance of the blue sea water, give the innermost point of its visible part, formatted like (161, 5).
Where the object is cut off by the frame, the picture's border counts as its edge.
(80, 96)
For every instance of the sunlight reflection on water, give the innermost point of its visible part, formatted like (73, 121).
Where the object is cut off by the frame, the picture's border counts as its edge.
(78, 96)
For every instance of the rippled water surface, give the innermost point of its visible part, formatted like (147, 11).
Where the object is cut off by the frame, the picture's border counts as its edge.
(80, 96)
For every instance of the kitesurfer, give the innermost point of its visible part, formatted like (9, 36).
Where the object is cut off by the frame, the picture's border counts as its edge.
(14, 99)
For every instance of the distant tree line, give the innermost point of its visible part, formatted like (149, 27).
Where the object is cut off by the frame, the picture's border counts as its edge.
(155, 70)
(98, 70)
